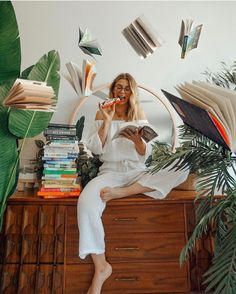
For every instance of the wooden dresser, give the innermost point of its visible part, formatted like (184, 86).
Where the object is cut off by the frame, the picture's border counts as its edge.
(39, 246)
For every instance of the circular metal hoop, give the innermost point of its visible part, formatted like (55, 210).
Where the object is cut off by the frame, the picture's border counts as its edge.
(163, 101)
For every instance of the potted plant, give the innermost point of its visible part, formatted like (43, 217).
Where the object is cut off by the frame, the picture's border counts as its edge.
(215, 169)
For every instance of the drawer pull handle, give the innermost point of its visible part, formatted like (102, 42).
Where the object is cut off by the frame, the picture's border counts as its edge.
(126, 248)
(135, 279)
(121, 219)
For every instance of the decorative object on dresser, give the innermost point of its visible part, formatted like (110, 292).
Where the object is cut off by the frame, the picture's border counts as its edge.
(15, 123)
(39, 246)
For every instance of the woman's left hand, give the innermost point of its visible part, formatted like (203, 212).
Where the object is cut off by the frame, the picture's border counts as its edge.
(133, 136)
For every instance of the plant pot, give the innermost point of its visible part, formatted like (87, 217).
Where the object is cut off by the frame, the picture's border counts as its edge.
(189, 184)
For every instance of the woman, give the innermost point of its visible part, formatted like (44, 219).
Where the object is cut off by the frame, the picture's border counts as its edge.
(122, 173)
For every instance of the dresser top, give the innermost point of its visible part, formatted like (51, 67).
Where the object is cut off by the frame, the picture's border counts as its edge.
(30, 196)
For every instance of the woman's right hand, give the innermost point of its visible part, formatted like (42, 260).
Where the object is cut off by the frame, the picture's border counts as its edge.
(107, 113)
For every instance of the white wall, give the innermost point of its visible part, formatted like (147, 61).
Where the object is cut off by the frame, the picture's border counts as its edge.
(54, 25)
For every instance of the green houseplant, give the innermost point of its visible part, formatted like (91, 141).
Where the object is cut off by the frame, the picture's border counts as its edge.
(215, 170)
(18, 124)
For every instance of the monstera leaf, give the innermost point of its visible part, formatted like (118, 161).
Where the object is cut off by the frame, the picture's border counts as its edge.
(15, 123)
(10, 53)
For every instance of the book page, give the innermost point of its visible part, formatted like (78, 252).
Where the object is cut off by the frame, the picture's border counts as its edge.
(225, 93)
(181, 34)
(193, 38)
(224, 105)
(143, 49)
(199, 101)
(188, 24)
(89, 72)
(132, 41)
(143, 34)
(143, 41)
(150, 31)
(148, 132)
(71, 67)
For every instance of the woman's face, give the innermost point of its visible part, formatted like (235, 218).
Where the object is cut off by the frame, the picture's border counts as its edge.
(122, 90)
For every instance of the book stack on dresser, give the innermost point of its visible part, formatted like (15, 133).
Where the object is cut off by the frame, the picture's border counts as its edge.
(60, 171)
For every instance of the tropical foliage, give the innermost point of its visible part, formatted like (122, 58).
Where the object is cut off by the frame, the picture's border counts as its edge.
(215, 170)
(18, 124)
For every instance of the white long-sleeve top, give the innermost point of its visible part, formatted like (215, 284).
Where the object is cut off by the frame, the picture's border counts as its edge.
(119, 154)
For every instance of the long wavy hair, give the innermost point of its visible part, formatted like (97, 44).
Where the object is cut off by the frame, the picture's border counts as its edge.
(134, 104)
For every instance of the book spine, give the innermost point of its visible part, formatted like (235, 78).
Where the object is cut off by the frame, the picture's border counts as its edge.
(69, 132)
(59, 172)
(61, 138)
(58, 193)
(184, 46)
(63, 126)
(59, 189)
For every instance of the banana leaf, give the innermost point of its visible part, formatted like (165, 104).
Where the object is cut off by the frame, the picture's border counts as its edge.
(10, 52)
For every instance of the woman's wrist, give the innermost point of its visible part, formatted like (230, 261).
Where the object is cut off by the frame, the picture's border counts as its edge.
(140, 147)
(107, 121)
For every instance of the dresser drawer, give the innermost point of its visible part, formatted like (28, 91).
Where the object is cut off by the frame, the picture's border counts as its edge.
(137, 218)
(133, 247)
(145, 218)
(130, 278)
(144, 247)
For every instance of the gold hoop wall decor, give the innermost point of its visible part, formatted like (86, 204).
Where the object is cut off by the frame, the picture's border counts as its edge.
(163, 100)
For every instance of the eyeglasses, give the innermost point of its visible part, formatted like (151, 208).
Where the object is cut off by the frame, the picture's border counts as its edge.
(120, 88)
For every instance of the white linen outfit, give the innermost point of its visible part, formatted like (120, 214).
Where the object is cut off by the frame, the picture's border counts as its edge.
(122, 166)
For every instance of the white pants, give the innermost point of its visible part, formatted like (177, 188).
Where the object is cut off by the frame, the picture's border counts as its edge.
(90, 205)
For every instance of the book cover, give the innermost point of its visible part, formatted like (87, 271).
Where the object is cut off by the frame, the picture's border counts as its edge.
(87, 44)
(189, 36)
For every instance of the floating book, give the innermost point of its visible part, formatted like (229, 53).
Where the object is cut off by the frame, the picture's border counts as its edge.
(209, 109)
(142, 37)
(81, 81)
(32, 95)
(87, 44)
(189, 36)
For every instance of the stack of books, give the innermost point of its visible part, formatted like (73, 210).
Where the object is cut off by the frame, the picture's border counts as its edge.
(60, 177)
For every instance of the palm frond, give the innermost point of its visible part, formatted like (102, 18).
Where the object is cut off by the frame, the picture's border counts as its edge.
(202, 227)
(221, 275)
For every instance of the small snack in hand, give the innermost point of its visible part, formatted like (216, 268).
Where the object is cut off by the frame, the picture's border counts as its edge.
(109, 102)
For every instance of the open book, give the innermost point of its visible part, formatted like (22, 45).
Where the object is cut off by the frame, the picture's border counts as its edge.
(87, 44)
(148, 132)
(81, 81)
(32, 95)
(189, 36)
(209, 109)
(142, 37)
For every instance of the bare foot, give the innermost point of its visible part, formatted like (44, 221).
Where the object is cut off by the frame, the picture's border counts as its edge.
(99, 278)
(108, 193)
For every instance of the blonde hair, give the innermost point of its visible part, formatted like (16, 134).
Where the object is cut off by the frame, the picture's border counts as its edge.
(134, 105)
